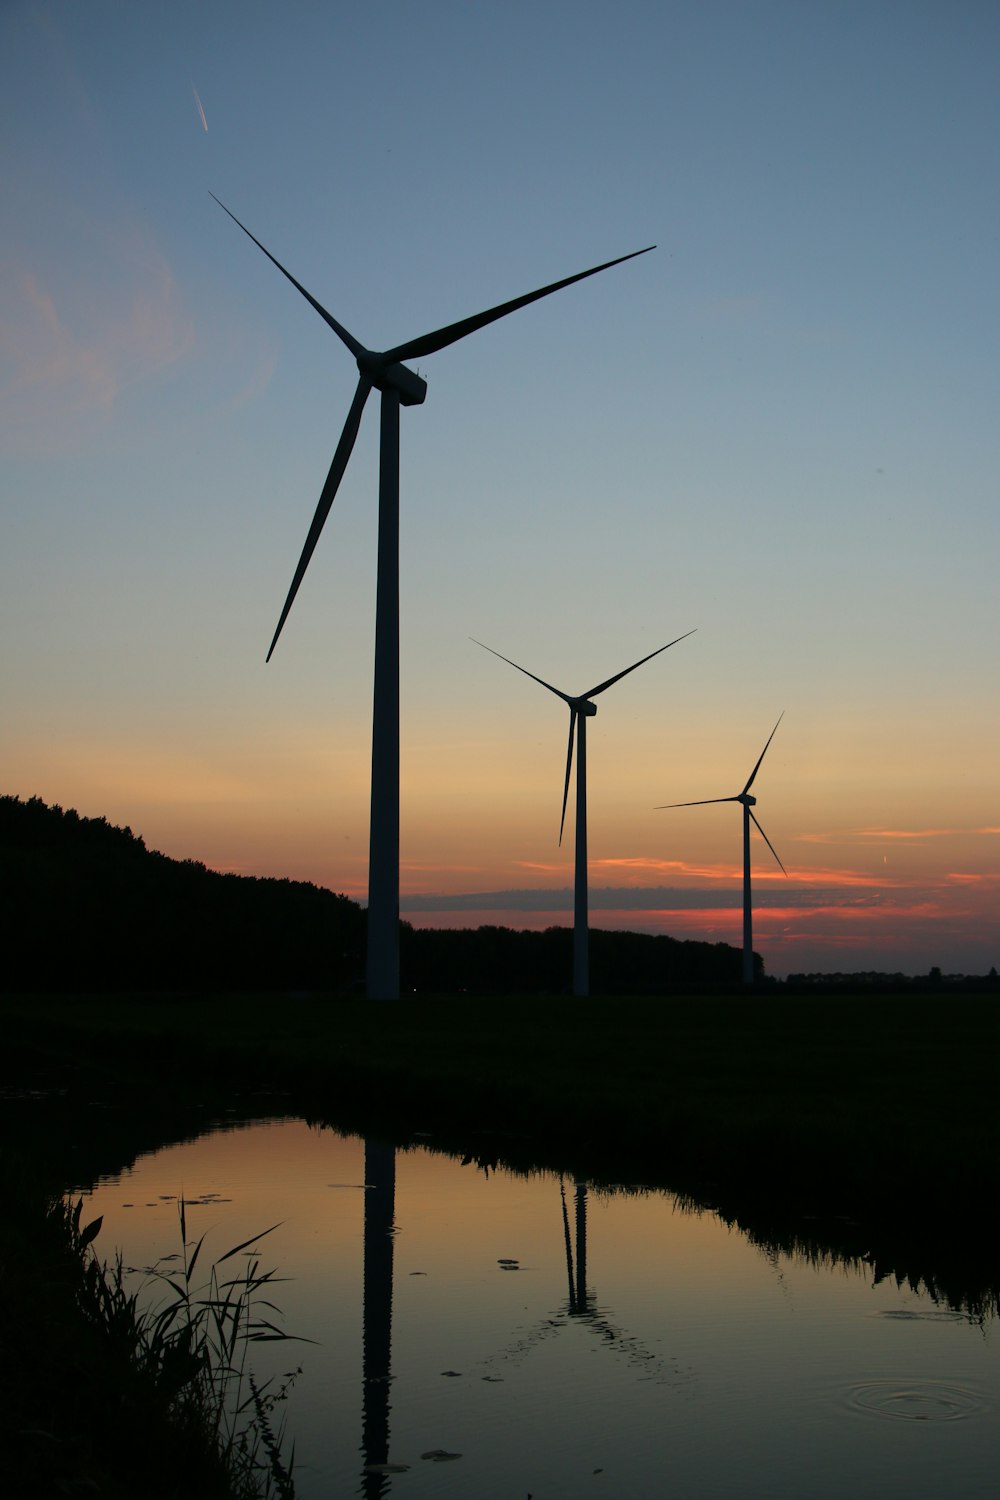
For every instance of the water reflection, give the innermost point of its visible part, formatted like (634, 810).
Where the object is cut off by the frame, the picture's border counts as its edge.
(79, 1135)
(582, 1331)
(376, 1359)
(577, 1276)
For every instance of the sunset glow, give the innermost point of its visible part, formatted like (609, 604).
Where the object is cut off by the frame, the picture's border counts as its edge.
(777, 430)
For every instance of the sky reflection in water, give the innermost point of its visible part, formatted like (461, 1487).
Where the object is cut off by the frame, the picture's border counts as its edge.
(696, 1366)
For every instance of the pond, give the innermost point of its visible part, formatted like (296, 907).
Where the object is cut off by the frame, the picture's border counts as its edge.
(482, 1333)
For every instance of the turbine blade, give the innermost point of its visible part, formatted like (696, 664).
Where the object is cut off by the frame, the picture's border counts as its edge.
(345, 337)
(564, 696)
(619, 675)
(430, 343)
(326, 499)
(756, 768)
(705, 802)
(767, 841)
(569, 767)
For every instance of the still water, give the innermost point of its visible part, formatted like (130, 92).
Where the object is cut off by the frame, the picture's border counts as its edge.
(557, 1341)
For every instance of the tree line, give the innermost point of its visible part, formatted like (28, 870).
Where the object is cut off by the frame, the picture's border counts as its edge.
(86, 907)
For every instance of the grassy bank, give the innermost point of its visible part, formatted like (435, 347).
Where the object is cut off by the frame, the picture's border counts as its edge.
(853, 1101)
(97, 1386)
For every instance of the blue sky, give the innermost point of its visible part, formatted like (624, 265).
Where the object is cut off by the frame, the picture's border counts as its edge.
(779, 428)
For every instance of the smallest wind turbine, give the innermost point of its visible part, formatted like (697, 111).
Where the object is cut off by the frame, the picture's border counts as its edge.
(748, 803)
(580, 710)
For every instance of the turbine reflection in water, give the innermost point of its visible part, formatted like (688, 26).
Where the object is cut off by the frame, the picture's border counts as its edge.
(797, 1389)
(376, 1371)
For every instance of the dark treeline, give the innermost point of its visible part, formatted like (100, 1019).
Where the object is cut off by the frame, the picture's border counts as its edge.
(85, 906)
(876, 981)
(500, 960)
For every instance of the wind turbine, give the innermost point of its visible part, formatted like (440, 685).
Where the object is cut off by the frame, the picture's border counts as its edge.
(580, 710)
(749, 803)
(398, 386)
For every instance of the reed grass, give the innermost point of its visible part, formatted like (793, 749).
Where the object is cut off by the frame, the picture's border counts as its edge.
(121, 1385)
(189, 1348)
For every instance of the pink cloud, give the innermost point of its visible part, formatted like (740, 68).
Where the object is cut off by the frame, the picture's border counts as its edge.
(71, 356)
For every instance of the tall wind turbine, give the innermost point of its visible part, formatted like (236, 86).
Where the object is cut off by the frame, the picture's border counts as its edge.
(398, 386)
(749, 803)
(580, 710)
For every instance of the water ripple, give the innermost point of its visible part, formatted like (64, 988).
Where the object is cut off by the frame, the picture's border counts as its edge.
(913, 1401)
(923, 1315)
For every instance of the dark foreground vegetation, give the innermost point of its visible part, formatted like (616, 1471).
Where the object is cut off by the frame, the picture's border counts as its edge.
(103, 1396)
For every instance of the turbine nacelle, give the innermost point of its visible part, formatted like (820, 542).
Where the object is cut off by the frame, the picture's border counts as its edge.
(412, 390)
(747, 800)
(583, 708)
(384, 371)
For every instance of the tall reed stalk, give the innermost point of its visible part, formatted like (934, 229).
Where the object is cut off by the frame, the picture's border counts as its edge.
(189, 1349)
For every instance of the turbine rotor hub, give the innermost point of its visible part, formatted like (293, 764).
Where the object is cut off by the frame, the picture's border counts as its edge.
(747, 800)
(395, 377)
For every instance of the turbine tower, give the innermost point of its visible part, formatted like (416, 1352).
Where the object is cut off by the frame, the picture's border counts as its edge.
(398, 386)
(580, 710)
(749, 803)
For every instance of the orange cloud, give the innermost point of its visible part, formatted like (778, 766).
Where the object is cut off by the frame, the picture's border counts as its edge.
(880, 835)
(726, 871)
(864, 914)
(825, 875)
(906, 833)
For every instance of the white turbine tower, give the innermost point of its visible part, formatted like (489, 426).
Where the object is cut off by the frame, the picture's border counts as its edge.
(398, 386)
(580, 710)
(748, 804)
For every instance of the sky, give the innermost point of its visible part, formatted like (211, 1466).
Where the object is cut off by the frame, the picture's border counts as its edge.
(777, 429)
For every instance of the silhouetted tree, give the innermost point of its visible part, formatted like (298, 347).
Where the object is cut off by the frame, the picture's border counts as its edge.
(85, 906)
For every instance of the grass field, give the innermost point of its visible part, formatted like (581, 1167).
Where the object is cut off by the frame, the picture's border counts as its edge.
(880, 1099)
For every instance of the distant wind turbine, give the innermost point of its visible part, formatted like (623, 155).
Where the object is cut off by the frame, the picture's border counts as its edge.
(580, 710)
(399, 386)
(748, 803)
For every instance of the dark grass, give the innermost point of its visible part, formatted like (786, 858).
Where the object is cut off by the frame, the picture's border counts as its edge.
(100, 1398)
(861, 1126)
(875, 1099)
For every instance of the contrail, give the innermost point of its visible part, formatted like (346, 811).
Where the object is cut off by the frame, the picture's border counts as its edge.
(201, 112)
